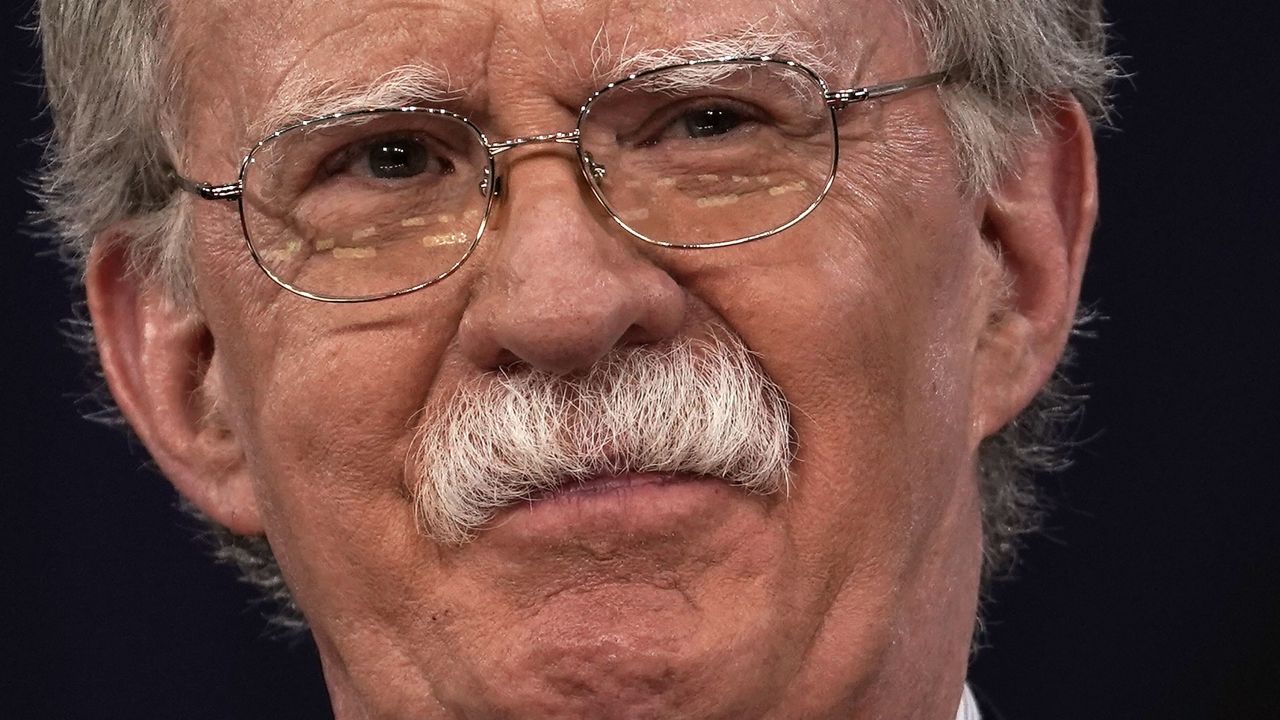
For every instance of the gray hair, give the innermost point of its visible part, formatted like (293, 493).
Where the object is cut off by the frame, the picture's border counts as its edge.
(1021, 58)
(110, 82)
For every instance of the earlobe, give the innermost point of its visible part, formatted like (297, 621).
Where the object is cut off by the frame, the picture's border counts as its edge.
(1039, 218)
(157, 359)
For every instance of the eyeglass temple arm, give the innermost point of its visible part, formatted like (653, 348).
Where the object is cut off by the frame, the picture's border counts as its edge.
(230, 192)
(841, 99)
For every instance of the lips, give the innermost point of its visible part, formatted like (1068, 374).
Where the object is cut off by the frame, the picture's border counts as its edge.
(629, 504)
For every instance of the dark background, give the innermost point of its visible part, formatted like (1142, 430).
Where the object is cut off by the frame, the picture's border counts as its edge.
(1155, 593)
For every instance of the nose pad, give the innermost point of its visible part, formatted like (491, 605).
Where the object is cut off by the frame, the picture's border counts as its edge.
(597, 170)
(495, 184)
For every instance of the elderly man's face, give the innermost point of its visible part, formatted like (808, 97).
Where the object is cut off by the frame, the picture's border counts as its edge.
(853, 594)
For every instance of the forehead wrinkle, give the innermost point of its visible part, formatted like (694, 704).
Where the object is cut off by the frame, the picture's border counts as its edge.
(304, 88)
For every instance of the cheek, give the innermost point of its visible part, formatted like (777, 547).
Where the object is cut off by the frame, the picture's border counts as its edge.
(328, 398)
(336, 406)
(861, 319)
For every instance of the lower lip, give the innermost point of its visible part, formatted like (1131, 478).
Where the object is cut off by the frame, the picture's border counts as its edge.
(618, 504)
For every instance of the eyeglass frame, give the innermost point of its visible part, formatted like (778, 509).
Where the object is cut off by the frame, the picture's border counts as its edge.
(491, 183)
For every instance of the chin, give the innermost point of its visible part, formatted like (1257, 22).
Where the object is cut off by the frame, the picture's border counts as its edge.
(653, 622)
(631, 625)
(605, 656)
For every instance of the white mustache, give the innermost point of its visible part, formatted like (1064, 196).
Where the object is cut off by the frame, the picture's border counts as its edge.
(698, 407)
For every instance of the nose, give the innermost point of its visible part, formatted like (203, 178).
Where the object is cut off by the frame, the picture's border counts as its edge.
(561, 287)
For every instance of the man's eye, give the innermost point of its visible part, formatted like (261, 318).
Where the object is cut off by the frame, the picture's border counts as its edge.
(709, 119)
(709, 122)
(400, 158)
(390, 158)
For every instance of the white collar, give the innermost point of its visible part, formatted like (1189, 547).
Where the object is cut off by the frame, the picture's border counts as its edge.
(968, 706)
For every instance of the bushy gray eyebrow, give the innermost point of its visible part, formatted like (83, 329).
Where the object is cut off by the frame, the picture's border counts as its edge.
(308, 97)
(750, 40)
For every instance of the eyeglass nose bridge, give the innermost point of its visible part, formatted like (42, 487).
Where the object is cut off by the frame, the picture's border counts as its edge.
(567, 138)
(572, 137)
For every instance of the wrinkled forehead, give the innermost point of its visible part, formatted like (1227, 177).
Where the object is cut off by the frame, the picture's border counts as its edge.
(260, 62)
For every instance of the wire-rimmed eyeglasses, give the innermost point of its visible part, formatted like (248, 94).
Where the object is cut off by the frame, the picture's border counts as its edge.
(376, 203)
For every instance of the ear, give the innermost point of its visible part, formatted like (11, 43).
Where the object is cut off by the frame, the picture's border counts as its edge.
(1040, 218)
(157, 359)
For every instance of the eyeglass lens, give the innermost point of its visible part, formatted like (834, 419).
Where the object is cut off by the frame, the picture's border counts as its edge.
(368, 204)
(376, 203)
(710, 153)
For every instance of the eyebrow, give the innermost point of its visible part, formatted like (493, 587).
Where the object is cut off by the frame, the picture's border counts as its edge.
(304, 97)
(752, 40)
